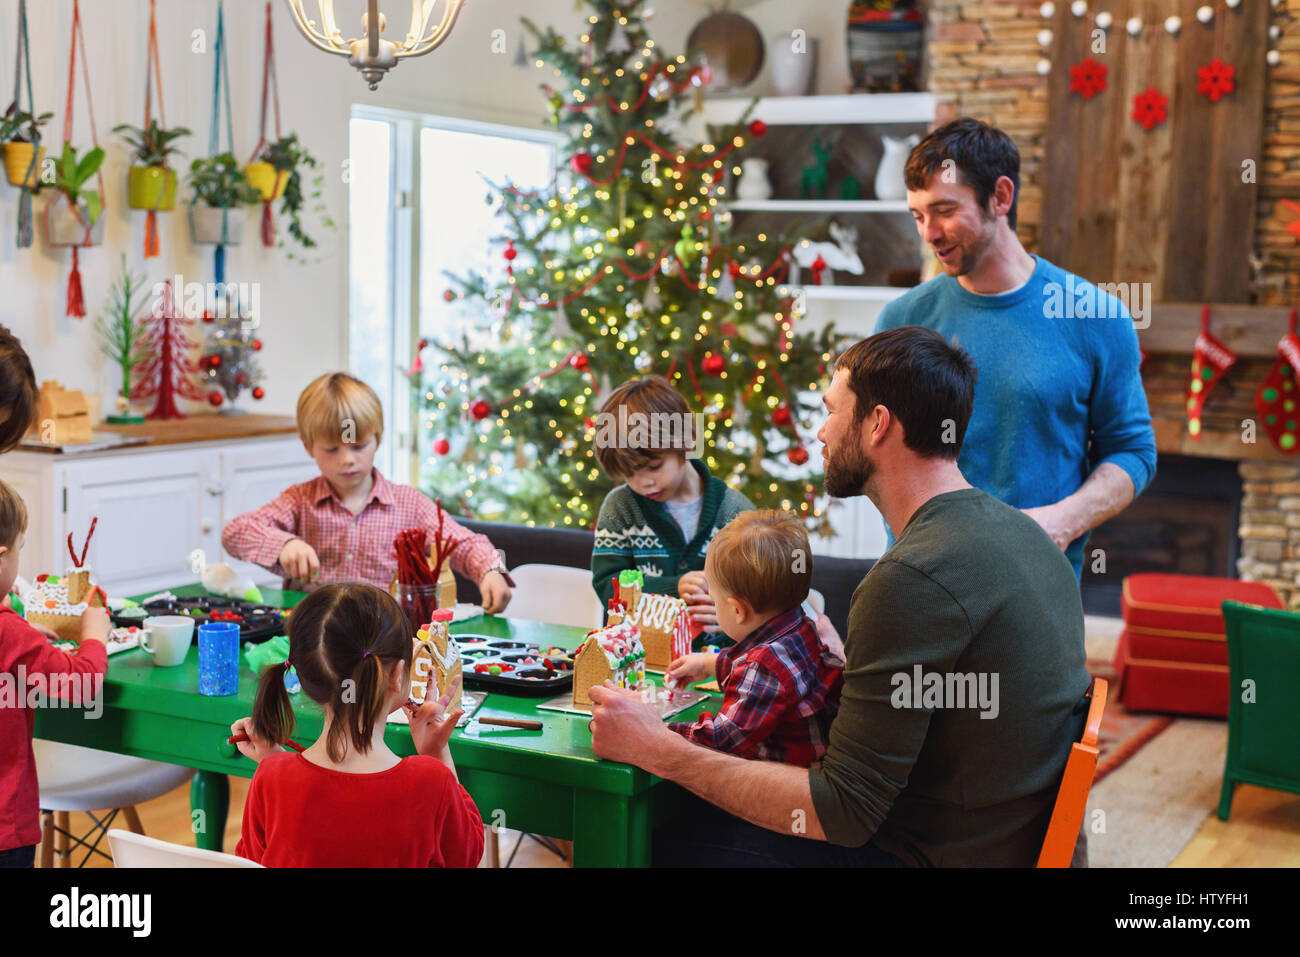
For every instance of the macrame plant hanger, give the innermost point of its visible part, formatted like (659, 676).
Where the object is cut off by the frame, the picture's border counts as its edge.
(269, 79)
(23, 67)
(214, 133)
(76, 298)
(152, 78)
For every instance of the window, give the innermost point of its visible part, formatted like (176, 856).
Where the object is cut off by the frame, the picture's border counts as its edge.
(418, 208)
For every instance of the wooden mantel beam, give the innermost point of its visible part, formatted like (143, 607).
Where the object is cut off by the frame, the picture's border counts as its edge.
(1250, 331)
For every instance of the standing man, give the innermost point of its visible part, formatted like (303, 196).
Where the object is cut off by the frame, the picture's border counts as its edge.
(1061, 427)
(964, 678)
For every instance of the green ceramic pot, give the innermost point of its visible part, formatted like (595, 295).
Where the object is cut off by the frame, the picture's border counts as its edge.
(151, 187)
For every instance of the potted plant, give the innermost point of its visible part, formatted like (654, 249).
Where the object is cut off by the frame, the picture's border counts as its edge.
(122, 335)
(73, 217)
(151, 184)
(220, 193)
(21, 133)
(278, 174)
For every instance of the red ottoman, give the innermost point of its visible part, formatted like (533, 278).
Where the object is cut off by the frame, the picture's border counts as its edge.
(1173, 654)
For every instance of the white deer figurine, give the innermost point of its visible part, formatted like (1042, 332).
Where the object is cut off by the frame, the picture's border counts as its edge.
(840, 255)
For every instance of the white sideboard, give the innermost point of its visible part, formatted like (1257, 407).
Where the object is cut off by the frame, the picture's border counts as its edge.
(155, 504)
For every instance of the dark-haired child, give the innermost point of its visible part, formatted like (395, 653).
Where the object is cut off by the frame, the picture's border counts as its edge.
(663, 516)
(349, 801)
(780, 687)
(18, 394)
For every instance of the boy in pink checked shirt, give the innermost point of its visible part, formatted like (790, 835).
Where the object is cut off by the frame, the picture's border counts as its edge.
(340, 527)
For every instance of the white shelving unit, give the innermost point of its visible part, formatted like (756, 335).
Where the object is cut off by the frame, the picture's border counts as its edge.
(855, 109)
(819, 206)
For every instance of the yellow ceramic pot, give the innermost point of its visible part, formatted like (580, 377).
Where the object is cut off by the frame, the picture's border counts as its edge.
(266, 179)
(151, 187)
(19, 166)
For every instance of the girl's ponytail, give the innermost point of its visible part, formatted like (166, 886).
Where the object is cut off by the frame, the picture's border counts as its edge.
(272, 709)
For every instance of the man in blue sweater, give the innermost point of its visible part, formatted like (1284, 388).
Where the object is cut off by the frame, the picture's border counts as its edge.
(1060, 427)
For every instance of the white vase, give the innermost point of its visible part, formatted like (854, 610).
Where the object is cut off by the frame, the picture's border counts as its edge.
(63, 227)
(793, 64)
(889, 174)
(754, 184)
(212, 225)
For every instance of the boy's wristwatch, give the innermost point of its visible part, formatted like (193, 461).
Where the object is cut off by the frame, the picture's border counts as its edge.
(504, 574)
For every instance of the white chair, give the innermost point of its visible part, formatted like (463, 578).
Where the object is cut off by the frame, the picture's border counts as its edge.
(72, 778)
(556, 594)
(136, 850)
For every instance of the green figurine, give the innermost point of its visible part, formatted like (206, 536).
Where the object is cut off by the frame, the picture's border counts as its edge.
(685, 247)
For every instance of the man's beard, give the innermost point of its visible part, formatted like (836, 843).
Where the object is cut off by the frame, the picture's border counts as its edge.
(847, 475)
(968, 257)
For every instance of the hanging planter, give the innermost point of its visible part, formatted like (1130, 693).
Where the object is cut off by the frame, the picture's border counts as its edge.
(266, 179)
(152, 188)
(68, 225)
(20, 132)
(221, 192)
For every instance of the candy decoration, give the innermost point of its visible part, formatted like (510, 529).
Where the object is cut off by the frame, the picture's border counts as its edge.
(1215, 80)
(1088, 78)
(1278, 394)
(1150, 108)
(1210, 360)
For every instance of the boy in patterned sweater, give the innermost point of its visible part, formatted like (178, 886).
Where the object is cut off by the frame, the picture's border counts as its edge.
(662, 518)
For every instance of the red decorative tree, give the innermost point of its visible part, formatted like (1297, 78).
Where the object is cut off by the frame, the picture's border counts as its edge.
(168, 369)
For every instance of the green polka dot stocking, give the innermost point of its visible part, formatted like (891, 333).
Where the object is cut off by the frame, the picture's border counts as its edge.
(1278, 398)
(1210, 360)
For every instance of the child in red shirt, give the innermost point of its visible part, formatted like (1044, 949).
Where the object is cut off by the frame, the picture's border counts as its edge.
(29, 664)
(348, 801)
(780, 687)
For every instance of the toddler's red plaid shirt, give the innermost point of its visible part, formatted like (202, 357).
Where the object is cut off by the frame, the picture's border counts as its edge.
(350, 547)
(780, 691)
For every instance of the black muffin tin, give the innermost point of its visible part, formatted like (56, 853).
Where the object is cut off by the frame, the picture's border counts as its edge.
(522, 678)
(259, 622)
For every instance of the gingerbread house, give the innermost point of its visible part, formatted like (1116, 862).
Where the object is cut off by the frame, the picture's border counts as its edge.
(62, 415)
(663, 620)
(611, 654)
(58, 602)
(436, 658)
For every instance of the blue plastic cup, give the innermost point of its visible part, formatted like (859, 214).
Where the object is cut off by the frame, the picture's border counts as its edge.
(219, 658)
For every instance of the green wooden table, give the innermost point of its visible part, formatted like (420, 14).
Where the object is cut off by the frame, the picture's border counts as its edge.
(543, 782)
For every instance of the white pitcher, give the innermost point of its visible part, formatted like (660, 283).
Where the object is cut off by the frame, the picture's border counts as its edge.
(889, 174)
(754, 184)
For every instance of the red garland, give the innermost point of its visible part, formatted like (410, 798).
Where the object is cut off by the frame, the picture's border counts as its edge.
(1088, 78)
(1149, 108)
(1215, 80)
(582, 162)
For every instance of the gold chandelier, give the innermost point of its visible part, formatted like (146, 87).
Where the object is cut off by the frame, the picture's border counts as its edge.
(371, 55)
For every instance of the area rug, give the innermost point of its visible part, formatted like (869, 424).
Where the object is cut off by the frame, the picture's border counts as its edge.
(1123, 732)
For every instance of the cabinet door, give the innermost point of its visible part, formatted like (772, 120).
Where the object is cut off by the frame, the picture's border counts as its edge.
(150, 508)
(252, 475)
(38, 480)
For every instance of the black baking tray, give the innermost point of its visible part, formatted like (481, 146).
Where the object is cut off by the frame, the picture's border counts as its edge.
(523, 678)
(257, 623)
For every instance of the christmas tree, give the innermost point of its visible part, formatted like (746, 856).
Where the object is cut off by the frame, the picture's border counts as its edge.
(627, 266)
(228, 366)
(166, 371)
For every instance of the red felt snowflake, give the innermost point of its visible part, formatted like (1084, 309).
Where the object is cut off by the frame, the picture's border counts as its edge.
(1149, 107)
(1215, 80)
(1088, 78)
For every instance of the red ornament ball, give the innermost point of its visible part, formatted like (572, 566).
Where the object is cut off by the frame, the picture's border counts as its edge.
(259, 392)
(257, 345)
(713, 364)
(729, 329)
(448, 295)
(734, 270)
(208, 317)
(797, 456)
(781, 415)
(480, 410)
(758, 128)
(582, 163)
(441, 446)
(214, 361)
(580, 362)
(215, 398)
(643, 248)
(510, 253)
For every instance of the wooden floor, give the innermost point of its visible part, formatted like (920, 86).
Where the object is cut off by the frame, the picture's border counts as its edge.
(1263, 831)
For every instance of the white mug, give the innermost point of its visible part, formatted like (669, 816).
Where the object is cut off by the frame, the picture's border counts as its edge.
(171, 636)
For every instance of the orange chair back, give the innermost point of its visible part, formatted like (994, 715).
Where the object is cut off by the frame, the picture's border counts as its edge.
(1072, 798)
